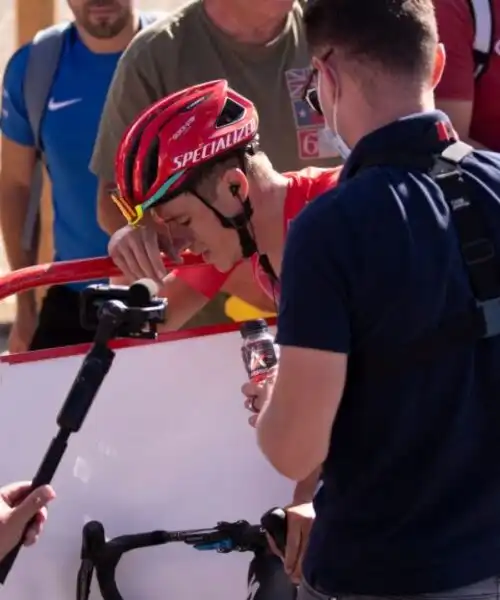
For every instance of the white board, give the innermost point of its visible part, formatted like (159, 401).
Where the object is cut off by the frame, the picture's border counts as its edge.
(166, 446)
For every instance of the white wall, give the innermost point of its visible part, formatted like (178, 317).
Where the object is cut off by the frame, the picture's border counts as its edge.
(166, 445)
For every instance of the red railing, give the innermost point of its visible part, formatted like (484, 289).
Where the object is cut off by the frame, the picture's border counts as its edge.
(71, 271)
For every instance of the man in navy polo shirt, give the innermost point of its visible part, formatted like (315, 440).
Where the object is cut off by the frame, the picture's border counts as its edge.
(410, 500)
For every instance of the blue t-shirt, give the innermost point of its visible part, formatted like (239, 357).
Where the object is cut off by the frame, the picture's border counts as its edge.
(68, 131)
(410, 501)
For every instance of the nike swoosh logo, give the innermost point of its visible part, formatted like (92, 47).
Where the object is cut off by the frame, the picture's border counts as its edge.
(53, 105)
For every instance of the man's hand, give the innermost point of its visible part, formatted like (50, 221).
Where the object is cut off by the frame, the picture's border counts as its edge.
(136, 252)
(17, 510)
(256, 395)
(300, 518)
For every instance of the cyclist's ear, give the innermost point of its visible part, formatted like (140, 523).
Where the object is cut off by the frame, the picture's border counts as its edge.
(236, 183)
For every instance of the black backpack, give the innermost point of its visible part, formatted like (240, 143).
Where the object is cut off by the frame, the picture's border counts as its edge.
(482, 320)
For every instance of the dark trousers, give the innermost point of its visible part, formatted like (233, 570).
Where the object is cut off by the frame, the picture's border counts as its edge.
(59, 320)
(488, 589)
(267, 579)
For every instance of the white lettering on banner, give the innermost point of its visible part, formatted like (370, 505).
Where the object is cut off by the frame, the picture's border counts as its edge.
(207, 151)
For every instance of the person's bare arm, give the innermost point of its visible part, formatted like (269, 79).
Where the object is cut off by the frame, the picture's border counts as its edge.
(16, 174)
(184, 302)
(109, 217)
(305, 489)
(241, 283)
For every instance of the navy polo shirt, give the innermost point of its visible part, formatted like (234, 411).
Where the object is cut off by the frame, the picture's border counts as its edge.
(410, 501)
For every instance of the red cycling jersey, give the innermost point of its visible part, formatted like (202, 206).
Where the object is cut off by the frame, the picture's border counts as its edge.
(304, 186)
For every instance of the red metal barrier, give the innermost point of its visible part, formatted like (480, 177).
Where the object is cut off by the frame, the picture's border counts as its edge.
(71, 271)
(88, 270)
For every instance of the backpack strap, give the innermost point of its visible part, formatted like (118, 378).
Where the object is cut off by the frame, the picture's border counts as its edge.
(43, 61)
(480, 259)
(482, 15)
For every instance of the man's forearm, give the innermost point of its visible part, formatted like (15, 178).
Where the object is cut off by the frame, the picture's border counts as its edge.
(14, 210)
(305, 489)
(184, 302)
(14, 202)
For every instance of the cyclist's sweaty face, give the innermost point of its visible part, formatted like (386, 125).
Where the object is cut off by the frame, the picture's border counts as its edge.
(102, 19)
(218, 245)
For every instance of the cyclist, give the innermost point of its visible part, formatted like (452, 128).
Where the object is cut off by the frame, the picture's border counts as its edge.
(214, 179)
(192, 161)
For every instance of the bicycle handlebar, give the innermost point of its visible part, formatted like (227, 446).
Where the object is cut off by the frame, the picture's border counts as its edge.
(103, 556)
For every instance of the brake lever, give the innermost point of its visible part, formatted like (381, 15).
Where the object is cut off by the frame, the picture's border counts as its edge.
(226, 537)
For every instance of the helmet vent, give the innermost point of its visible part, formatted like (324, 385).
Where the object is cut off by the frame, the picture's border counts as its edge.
(150, 165)
(193, 104)
(231, 113)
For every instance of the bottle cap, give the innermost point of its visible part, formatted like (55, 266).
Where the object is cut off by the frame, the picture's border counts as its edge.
(252, 327)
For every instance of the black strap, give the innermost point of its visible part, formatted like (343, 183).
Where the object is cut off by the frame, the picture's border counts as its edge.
(477, 248)
(480, 259)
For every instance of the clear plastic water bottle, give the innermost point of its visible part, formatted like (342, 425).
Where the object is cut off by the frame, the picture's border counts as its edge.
(258, 350)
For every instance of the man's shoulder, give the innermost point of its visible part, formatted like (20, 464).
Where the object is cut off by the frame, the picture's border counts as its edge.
(484, 165)
(17, 63)
(341, 193)
(164, 33)
(321, 217)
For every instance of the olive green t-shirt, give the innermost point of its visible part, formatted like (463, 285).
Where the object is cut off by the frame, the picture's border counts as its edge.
(187, 48)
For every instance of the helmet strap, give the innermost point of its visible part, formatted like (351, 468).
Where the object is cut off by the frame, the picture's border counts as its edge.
(239, 222)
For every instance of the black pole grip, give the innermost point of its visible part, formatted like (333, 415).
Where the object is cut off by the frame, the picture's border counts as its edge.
(89, 379)
(8, 561)
(274, 522)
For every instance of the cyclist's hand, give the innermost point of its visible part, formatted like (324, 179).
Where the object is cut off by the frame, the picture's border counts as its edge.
(300, 518)
(136, 251)
(17, 510)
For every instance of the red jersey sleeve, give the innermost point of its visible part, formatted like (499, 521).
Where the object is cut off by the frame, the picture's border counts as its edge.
(205, 279)
(456, 32)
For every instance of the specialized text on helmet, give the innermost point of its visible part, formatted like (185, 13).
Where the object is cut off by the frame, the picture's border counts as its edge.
(221, 144)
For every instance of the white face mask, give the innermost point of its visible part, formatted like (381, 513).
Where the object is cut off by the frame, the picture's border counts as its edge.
(336, 142)
(331, 134)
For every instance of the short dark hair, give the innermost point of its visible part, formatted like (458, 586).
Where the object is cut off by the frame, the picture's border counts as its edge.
(399, 35)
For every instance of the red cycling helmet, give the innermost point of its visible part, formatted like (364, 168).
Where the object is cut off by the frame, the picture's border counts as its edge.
(162, 149)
